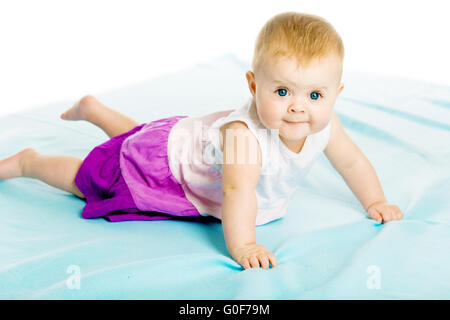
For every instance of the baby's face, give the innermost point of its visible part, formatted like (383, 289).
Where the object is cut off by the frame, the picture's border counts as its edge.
(297, 102)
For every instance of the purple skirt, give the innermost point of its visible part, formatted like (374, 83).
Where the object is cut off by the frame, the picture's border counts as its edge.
(108, 195)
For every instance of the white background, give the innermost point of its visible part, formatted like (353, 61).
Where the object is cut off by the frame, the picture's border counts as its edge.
(60, 50)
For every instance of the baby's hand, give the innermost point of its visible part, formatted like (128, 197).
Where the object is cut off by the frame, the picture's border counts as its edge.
(253, 255)
(383, 211)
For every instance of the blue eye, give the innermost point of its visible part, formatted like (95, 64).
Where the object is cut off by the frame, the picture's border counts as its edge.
(315, 95)
(282, 92)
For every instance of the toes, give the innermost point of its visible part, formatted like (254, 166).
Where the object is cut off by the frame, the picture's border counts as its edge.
(80, 110)
(12, 166)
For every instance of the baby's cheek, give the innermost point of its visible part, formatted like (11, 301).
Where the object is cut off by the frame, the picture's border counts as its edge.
(268, 116)
(320, 121)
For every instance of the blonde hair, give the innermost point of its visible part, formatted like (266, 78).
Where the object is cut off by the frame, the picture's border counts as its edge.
(305, 37)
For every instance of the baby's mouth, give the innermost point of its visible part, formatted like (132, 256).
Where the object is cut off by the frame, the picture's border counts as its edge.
(297, 122)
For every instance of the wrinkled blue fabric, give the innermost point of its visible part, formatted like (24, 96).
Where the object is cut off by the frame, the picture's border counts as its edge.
(326, 246)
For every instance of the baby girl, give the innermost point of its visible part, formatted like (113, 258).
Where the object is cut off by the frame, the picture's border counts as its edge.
(167, 169)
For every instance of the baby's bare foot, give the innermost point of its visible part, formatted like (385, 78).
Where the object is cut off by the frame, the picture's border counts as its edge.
(12, 167)
(80, 109)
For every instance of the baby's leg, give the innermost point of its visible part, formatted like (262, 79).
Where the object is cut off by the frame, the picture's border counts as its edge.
(112, 122)
(56, 170)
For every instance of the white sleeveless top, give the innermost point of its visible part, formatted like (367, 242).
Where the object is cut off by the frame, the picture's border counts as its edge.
(195, 160)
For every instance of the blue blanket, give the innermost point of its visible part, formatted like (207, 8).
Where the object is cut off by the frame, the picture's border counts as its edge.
(326, 246)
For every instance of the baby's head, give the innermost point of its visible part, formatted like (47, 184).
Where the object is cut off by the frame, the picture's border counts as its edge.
(297, 69)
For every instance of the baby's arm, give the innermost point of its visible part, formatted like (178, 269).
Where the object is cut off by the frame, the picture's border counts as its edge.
(239, 205)
(358, 174)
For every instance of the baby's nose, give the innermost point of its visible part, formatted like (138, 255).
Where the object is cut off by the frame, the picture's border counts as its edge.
(296, 108)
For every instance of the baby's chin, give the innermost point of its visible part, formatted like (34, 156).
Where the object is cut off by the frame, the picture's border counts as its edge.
(294, 135)
(292, 138)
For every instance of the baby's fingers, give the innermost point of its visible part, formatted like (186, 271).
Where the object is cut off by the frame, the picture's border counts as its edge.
(254, 263)
(387, 215)
(245, 264)
(398, 213)
(272, 259)
(264, 260)
(375, 215)
(390, 214)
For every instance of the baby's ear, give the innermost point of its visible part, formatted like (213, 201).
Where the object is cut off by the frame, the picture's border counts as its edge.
(341, 87)
(251, 82)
